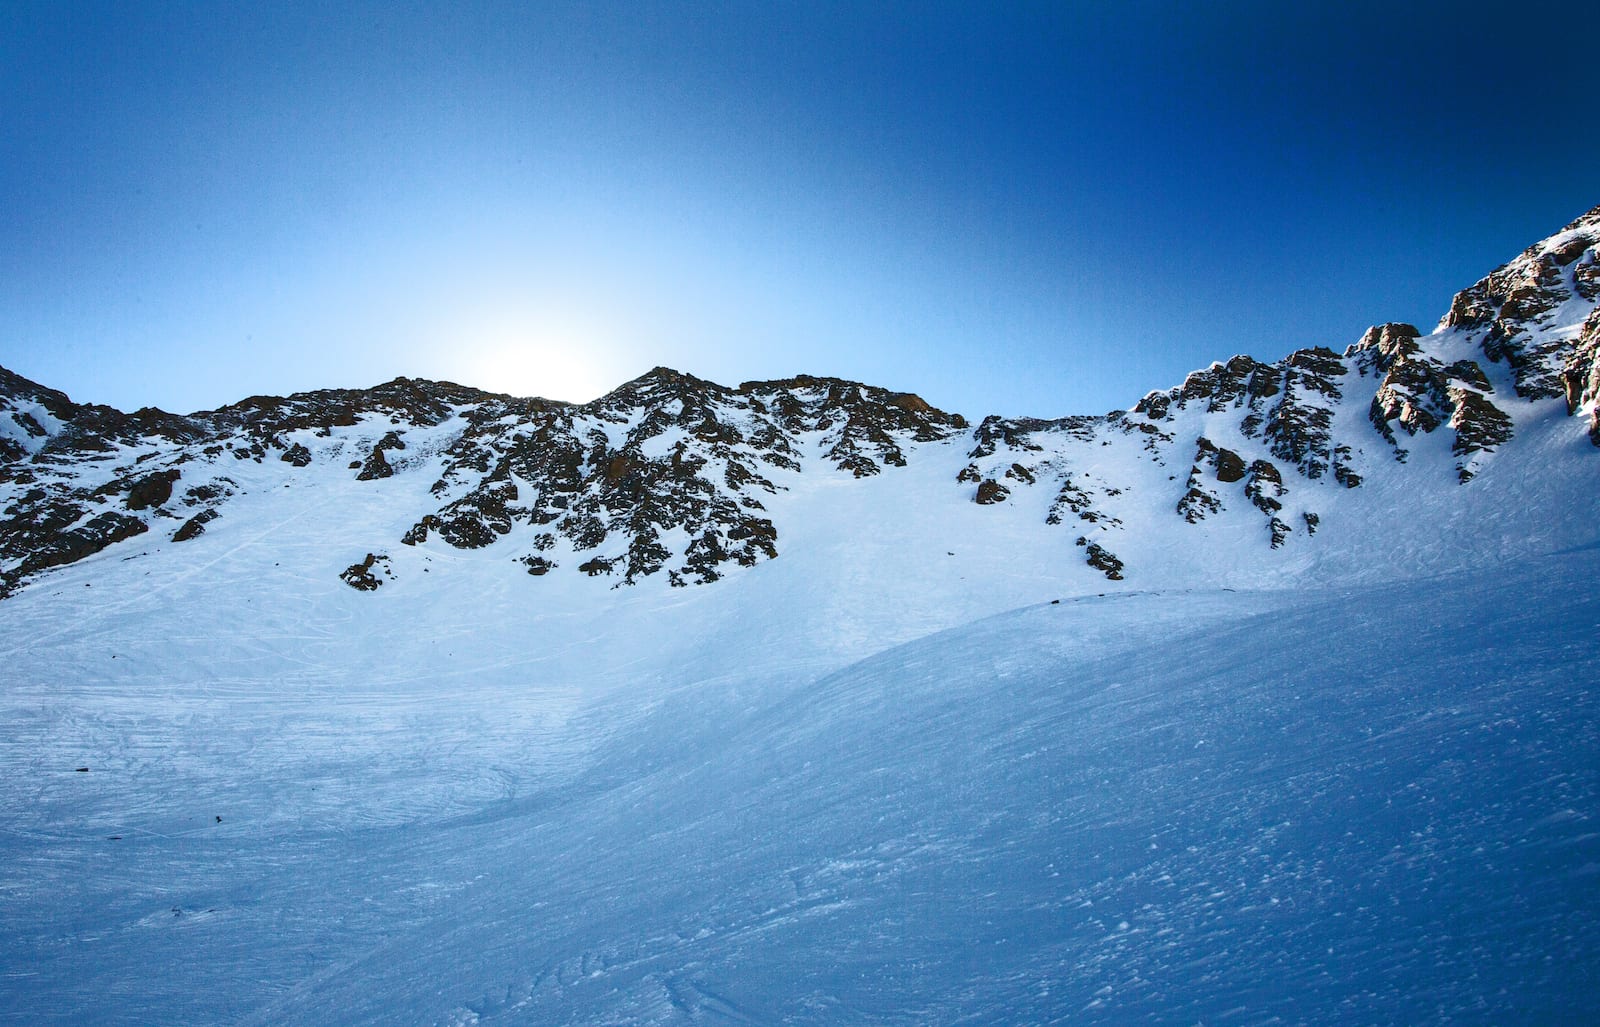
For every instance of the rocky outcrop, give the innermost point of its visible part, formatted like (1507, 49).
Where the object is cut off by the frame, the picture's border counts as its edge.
(365, 576)
(667, 454)
(376, 464)
(1199, 499)
(1101, 559)
(1580, 377)
(195, 526)
(44, 548)
(1419, 393)
(1077, 495)
(1299, 428)
(990, 492)
(1289, 405)
(152, 489)
(1511, 312)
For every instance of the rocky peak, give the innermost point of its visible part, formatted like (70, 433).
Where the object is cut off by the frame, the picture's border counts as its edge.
(1383, 344)
(17, 391)
(30, 415)
(656, 389)
(413, 401)
(608, 485)
(1514, 313)
(673, 476)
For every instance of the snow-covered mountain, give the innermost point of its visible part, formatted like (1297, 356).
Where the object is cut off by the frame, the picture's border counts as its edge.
(1269, 699)
(674, 476)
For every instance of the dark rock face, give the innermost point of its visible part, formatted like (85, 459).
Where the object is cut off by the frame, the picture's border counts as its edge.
(46, 549)
(1101, 559)
(194, 526)
(1200, 500)
(666, 453)
(1288, 405)
(1507, 311)
(1264, 487)
(995, 431)
(1230, 466)
(375, 466)
(363, 576)
(1299, 428)
(1580, 377)
(65, 497)
(1419, 394)
(990, 492)
(1074, 497)
(152, 490)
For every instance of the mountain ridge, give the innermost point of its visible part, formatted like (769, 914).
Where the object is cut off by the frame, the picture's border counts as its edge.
(673, 475)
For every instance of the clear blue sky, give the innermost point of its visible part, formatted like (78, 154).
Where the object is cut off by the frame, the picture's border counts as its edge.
(1042, 208)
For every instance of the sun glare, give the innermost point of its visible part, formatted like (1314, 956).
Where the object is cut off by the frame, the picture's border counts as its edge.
(565, 358)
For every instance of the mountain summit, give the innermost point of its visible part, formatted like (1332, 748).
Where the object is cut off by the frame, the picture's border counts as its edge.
(675, 477)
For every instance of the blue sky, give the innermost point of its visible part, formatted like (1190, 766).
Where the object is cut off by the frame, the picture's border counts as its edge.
(1028, 209)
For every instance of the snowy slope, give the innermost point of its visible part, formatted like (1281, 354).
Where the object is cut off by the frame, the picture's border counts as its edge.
(1137, 805)
(396, 704)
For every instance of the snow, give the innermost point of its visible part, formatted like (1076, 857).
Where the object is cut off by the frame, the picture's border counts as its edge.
(925, 767)
(869, 782)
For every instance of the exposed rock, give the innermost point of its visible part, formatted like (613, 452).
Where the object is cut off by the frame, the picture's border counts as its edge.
(29, 424)
(194, 526)
(209, 492)
(1508, 312)
(1265, 487)
(375, 466)
(152, 490)
(1580, 377)
(1230, 466)
(1479, 425)
(990, 492)
(361, 576)
(296, 455)
(597, 566)
(1199, 501)
(1300, 428)
(1013, 433)
(1383, 344)
(1419, 393)
(73, 544)
(1073, 496)
(1101, 559)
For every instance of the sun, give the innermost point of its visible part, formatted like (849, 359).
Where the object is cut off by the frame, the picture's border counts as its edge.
(543, 353)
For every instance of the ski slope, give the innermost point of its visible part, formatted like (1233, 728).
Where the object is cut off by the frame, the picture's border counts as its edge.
(1357, 802)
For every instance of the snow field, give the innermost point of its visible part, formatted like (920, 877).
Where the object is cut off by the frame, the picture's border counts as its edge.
(1358, 803)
